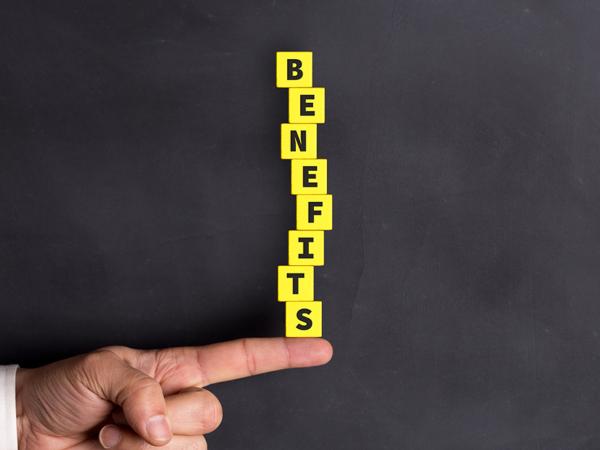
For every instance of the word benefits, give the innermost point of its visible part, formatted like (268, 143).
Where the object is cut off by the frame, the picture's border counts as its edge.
(314, 215)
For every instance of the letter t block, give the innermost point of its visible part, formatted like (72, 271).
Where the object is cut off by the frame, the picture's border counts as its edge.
(295, 283)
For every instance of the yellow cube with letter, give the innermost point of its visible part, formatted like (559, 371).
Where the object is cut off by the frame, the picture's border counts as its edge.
(298, 141)
(295, 283)
(309, 176)
(306, 105)
(314, 212)
(293, 69)
(306, 248)
(304, 319)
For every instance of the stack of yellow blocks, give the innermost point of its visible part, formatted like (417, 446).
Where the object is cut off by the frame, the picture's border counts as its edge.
(306, 244)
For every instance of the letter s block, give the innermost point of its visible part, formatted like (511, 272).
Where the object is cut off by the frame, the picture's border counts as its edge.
(309, 176)
(294, 69)
(304, 319)
(295, 283)
(314, 212)
(306, 248)
(307, 105)
(298, 141)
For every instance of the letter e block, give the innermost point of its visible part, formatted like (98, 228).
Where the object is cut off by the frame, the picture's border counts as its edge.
(298, 141)
(294, 69)
(307, 105)
(304, 319)
(314, 212)
(309, 176)
(295, 283)
(306, 248)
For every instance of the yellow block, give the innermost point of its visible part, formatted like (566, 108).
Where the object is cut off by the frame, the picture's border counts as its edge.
(295, 283)
(314, 212)
(306, 248)
(298, 141)
(294, 69)
(307, 105)
(309, 176)
(304, 319)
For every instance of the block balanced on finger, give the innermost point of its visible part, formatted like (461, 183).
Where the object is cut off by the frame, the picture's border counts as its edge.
(314, 205)
(304, 319)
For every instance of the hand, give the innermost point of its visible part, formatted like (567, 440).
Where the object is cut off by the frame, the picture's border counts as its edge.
(125, 399)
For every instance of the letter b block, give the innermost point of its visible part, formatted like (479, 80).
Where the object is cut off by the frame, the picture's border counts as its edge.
(298, 141)
(295, 283)
(306, 248)
(294, 69)
(304, 319)
(309, 176)
(314, 212)
(307, 105)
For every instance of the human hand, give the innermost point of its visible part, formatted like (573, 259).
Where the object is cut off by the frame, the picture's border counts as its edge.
(125, 399)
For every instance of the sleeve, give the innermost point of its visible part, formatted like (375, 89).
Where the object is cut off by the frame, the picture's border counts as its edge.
(8, 408)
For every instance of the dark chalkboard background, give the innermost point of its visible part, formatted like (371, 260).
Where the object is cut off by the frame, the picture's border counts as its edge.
(143, 202)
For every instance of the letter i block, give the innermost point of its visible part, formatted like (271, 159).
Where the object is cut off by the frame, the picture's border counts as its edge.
(294, 69)
(314, 212)
(295, 283)
(306, 105)
(304, 319)
(306, 248)
(309, 176)
(298, 141)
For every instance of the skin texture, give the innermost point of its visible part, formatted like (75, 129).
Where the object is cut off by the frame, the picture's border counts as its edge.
(122, 398)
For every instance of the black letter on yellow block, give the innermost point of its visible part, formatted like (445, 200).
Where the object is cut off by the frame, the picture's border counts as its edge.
(312, 211)
(298, 141)
(307, 176)
(302, 316)
(295, 281)
(305, 243)
(294, 72)
(305, 104)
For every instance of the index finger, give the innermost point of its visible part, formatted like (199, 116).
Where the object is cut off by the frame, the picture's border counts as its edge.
(179, 368)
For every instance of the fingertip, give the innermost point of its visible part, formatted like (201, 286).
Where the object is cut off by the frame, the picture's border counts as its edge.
(110, 436)
(159, 430)
(326, 350)
(309, 352)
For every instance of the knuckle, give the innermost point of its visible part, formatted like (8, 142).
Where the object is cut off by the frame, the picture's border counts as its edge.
(116, 349)
(250, 357)
(89, 369)
(91, 362)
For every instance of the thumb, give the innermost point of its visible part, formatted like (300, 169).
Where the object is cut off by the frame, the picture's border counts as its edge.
(140, 396)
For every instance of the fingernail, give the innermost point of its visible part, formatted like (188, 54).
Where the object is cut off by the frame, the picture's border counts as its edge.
(110, 436)
(159, 429)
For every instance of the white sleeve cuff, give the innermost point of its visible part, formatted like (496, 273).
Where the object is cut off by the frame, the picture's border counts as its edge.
(8, 408)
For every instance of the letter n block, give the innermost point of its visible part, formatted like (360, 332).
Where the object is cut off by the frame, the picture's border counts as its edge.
(304, 319)
(314, 212)
(298, 141)
(306, 248)
(295, 283)
(306, 105)
(309, 176)
(294, 69)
